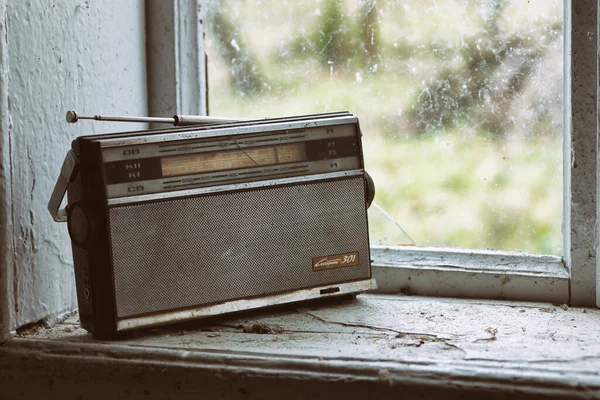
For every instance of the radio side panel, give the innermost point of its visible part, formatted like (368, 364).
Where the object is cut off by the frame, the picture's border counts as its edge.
(92, 254)
(81, 263)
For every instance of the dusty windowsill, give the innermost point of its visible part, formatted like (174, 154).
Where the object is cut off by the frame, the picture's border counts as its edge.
(384, 342)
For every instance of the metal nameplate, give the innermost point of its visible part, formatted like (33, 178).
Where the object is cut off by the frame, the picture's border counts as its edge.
(336, 261)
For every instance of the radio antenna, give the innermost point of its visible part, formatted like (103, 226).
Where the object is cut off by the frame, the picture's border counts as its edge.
(176, 120)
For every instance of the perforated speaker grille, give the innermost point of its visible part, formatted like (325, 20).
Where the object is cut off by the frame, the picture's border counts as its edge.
(199, 250)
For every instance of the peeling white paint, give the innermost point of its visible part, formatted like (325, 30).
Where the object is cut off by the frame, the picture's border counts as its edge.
(5, 185)
(420, 347)
(56, 56)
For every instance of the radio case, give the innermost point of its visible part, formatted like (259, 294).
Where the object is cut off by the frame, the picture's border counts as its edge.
(175, 224)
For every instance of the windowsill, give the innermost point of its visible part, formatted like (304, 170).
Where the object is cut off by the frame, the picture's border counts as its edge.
(375, 344)
(450, 272)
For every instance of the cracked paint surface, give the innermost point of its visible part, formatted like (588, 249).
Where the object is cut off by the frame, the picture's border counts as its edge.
(391, 328)
(528, 348)
(56, 56)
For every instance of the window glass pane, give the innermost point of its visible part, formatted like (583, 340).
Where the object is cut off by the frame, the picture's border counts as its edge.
(460, 103)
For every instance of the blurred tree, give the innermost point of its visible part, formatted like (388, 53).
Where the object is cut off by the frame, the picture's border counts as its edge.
(495, 69)
(369, 32)
(244, 69)
(339, 40)
(333, 37)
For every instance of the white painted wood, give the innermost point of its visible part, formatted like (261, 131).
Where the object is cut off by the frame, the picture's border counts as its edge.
(470, 274)
(581, 151)
(83, 55)
(417, 347)
(470, 260)
(176, 60)
(6, 232)
(598, 169)
(567, 136)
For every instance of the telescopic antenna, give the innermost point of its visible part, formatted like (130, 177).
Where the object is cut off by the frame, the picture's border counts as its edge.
(177, 120)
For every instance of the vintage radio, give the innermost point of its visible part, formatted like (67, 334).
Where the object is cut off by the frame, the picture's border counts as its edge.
(174, 224)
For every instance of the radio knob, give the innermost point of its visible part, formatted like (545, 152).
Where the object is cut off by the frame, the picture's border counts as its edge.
(369, 189)
(78, 224)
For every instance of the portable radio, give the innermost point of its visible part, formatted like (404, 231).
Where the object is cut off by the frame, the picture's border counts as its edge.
(175, 224)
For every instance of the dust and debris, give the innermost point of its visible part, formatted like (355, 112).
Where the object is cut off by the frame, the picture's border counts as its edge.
(564, 307)
(33, 328)
(492, 332)
(405, 290)
(211, 335)
(383, 373)
(262, 329)
(421, 340)
(211, 329)
(430, 339)
(418, 341)
(548, 309)
(375, 328)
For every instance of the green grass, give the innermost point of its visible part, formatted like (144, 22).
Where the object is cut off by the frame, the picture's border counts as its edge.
(468, 192)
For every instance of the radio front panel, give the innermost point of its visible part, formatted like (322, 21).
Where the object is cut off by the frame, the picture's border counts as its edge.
(177, 165)
(237, 245)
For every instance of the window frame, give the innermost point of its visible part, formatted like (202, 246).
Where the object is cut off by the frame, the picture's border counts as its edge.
(474, 273)
(569, 279)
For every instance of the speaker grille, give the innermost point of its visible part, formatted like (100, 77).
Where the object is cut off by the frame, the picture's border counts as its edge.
(182, 253)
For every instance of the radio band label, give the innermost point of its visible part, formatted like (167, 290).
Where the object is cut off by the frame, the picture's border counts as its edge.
(157, 167)
(142, 169)
(335, 261)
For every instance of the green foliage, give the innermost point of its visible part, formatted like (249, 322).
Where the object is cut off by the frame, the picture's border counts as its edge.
(245, 75)
(333, 36)
(340, 40)
(494, 66)
(370, 33)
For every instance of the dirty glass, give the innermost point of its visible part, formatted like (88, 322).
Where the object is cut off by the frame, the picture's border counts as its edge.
(460, 103)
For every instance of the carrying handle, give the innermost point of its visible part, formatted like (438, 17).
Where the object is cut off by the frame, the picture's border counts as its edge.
(67, 172)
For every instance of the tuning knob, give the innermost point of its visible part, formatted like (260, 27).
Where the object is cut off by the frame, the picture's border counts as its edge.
(369, 189)
(78, 224)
